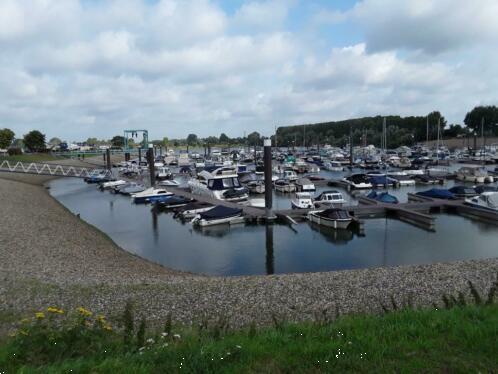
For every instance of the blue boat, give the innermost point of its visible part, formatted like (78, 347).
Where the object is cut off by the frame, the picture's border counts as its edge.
(383, 197)
(437, 193)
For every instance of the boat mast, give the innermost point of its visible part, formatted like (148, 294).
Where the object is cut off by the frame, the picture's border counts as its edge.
(304, 136)
(437, 143)
(427, 132)
(482, 136)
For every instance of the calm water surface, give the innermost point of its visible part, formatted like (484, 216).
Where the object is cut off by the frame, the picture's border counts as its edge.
(257, 249)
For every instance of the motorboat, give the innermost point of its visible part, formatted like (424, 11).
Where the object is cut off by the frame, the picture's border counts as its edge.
(219, 215)
(485, 188)
(383, 197)
(414, 171)
(173, 201)
(290, 175)
(256, 186)
(149, 195)
(380, 180)
(437, 171)
(302, 200)
(222, 184)
(98, 176)
(331, 198)
(463, 191)
(130, 188)
(333, 166)
(402, 179)
(425, 179)
(111, 184)
(169, 183)
(305, 185)
(486, 200)
(163, 173)
(437, 193)
(358, 181)
(192, 209)
(474, 173)
(333, 217)
(283, 185)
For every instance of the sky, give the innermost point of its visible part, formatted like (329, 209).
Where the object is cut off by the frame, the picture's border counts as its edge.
(87, 68)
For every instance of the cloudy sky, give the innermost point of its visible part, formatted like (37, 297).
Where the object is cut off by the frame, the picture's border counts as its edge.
(76, 69)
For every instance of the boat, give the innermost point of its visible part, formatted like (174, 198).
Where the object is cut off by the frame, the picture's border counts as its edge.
(486, 200)
(218, 215)
(98, 176)
(173, 201)
(305, 185)
(485, 188)
(290, 175)
(333, 217)
(130, 188)
(302, 200)
(438, 171)
(425, 179)
(463, 191)
(474, 173)
(168, 183)
(149, 195)
(283, 185)
(111, 184)
(163, 173)
(333, 166)
(414, 171)
(358, 181)
(331, 197)
(380, 180)
(437, 193)
(221, 183)
(383, 197)
(402, 178)
(191, 209)
(256, 186)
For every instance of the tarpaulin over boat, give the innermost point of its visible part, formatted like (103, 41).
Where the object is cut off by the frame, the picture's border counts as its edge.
(220, 211)
(334, 213)
(437, 193)
(383, 197)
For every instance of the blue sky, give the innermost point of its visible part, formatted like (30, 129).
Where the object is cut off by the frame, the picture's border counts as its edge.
(77, 69)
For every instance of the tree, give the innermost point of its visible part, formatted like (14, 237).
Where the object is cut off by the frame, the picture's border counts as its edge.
(6, 138)
(254, 138)
(92, 141)
(211, 140)
(165, 141)
(224, 139)
(34, 141)
(54, 141)
(488, 114)
(192, 139)
(117, 141)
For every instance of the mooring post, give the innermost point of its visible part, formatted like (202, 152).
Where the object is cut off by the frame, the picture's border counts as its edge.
(351, 145)
(268, 181)
(139, 155)
(108, 158)
(150, 162)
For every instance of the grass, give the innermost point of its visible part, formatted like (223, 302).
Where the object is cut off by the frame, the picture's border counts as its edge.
(29, 157)
(462, 338)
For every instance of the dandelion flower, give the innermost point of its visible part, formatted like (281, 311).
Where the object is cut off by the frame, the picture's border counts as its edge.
(108, 327)
(54, 310)
(84, 312)
(40, 315)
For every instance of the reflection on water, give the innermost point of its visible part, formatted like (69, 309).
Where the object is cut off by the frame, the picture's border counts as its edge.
(272, 249)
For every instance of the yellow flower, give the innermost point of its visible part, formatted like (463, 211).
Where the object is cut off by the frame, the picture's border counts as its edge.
(101, 318)
(52, 309)
(108, 327)
(84, 312)
(40, 315)
(25, 320)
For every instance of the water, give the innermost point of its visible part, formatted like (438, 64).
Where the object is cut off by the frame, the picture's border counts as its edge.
(257, 249)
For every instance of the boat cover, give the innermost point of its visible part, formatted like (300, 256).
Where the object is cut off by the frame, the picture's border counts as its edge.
(462, 190)
(383, 197)
(358, 178)
(438, 193)
(334, 213)
(248, 178)
(379, 180)
(233, 193)
(483, 188)
(173, 200)
(220, 211)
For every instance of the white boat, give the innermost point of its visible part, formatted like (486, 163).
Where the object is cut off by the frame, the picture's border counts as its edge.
(193, 209)
(163, 173)
(283, 185)
(486, 200)
(414, 171)
(169, 183)
(358, 181)
(256, 187)
(302, 200)
(149, 195)
(333, 166)
(438, 171)
(402, 178)
(290, 175)
(112, 184)
(222, 184)
(330, 198)
(474, 174)
(219, 215)
(305, 185)
(334, 217)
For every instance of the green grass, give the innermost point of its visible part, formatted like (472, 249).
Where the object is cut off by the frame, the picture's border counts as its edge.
(29, 157)
(460, 339)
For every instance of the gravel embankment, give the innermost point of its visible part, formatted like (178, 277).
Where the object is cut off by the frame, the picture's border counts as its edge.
(48, 256)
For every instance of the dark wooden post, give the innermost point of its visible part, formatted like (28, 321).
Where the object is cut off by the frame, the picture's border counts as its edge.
(139, 155)
(351, 145)
(269, 250)
(268, 181)
(152, 169)
(108, 158)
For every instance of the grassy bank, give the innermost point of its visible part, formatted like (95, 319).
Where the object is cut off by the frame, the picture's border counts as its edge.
(459, 339)
(29, 157)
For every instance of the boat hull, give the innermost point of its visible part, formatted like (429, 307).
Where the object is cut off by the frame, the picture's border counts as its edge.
(334, 223)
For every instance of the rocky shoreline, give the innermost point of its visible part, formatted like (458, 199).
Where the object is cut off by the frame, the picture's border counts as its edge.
(48, 256)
